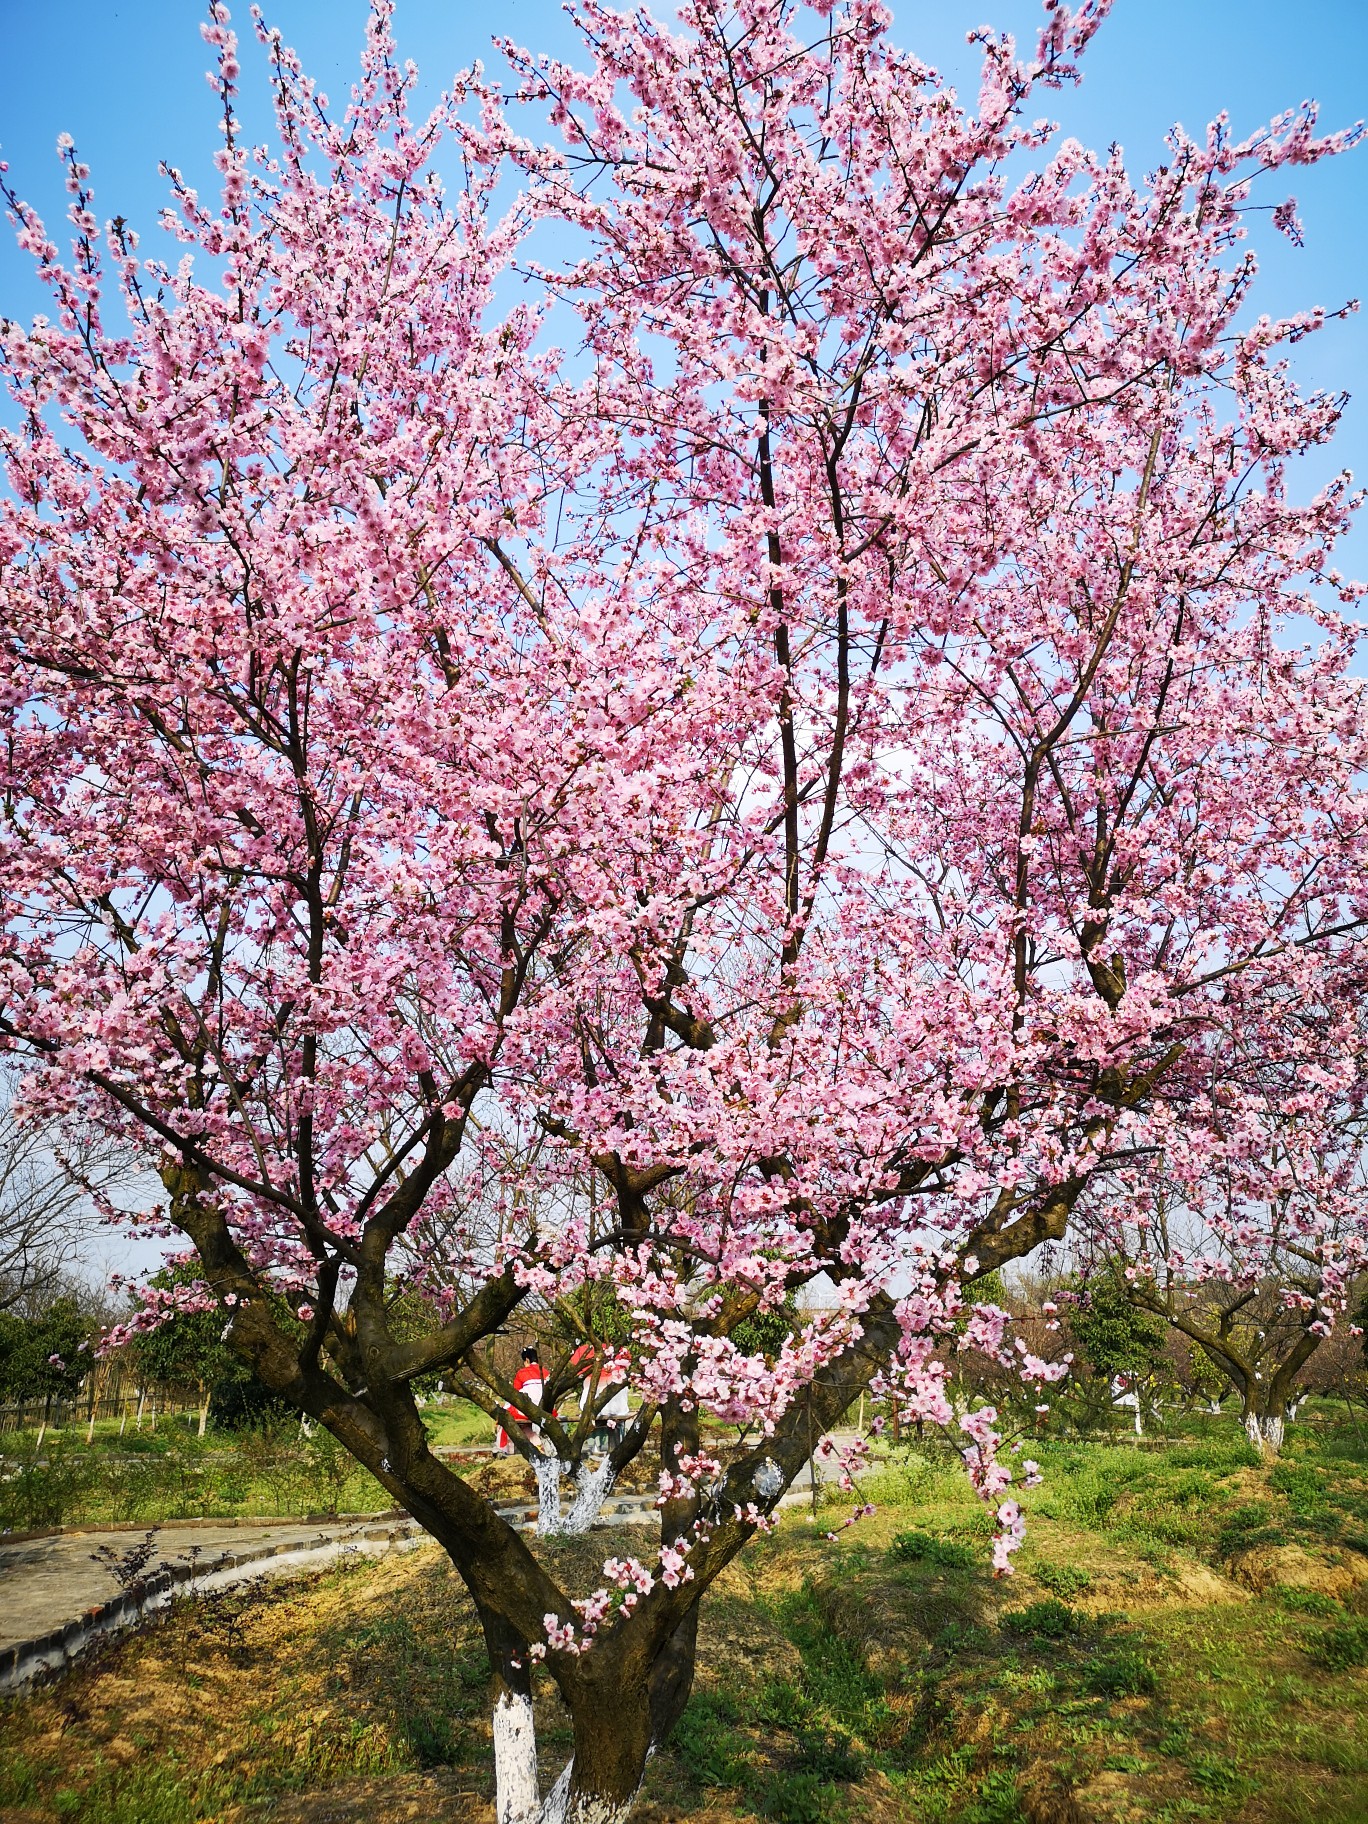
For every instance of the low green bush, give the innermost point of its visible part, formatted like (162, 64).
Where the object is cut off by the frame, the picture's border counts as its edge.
(918, 1548)
(1046, 1620)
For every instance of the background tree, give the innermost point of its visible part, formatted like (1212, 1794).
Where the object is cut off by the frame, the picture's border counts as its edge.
(1121, 1342)
(1255, 1266)
(46, 1355)
(41, 1212)
(183, 1346)
(825, 762)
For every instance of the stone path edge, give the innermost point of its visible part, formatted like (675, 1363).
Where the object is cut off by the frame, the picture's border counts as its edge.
(48, 1655)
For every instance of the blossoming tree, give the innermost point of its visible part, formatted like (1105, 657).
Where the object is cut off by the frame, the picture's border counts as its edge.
(822, 761)
(1255, 1261)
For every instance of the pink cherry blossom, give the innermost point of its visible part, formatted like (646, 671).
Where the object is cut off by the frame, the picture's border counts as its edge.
(714, 705)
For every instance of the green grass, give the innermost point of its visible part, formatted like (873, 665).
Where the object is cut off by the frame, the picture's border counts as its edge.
(887, 1675)
(169, 1473)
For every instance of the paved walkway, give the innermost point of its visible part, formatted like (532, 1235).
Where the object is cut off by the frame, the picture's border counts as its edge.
(45, 1582)
(56, 1593)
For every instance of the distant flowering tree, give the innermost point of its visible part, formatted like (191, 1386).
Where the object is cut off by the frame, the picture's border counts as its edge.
(823, 762)
(1257, 1263)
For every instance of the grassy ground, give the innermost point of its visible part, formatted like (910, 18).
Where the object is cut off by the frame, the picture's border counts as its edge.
(150, 1476)
(1186, 1638)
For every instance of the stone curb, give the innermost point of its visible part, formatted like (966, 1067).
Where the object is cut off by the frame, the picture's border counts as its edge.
(47, 1655)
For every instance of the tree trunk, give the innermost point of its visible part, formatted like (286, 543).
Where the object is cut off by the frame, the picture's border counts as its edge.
(548, 1469)
(206, 1394)
(613, 1738)
(592, 1488)
(1264, 1429)
(517, 1795)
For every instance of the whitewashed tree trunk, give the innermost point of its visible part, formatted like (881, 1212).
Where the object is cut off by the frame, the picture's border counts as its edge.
(592, 1489)
(548, 1469)
(585, 1808)
(204, 1411)
(1265, 1431)
(517, 1796)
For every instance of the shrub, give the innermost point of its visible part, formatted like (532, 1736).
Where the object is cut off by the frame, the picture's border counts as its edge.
(949, 1554)
(1047, 1620)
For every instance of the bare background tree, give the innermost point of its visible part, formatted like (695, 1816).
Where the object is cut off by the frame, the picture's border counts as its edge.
(42, 1211)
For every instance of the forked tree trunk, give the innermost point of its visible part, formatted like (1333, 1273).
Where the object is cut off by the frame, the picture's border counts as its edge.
(623, 1709)
(593, 1485)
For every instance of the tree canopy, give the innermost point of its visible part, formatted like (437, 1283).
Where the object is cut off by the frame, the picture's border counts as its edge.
(738, 715)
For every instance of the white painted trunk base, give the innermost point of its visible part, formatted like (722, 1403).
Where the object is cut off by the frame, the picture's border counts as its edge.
(517, 1797)
(548, 1470)
(592, 1488)
(588, 1808)
(1265, 1432)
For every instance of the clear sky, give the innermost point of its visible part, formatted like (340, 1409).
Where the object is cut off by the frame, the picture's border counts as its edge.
(126, 79)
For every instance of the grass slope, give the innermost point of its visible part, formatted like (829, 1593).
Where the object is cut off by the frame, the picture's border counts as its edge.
(1186, 1638)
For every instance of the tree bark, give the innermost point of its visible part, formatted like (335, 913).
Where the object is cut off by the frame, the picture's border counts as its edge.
(1265, 1431)
(517, 1795)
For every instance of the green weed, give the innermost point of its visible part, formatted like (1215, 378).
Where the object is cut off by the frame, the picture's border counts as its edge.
(948, 1554)
(1063, 1580)
(1124, 1674)
(1046, 1620)
(1342, 1648)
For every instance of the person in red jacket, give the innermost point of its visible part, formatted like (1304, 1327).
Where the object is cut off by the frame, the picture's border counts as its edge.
(531, 1380)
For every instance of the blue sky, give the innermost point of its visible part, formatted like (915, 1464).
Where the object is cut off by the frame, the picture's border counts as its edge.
(126, 78)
